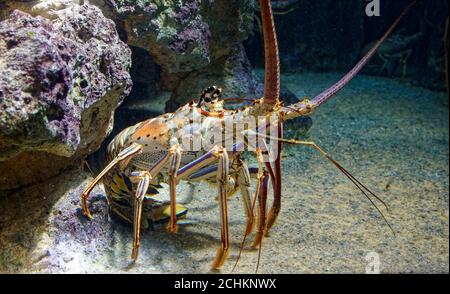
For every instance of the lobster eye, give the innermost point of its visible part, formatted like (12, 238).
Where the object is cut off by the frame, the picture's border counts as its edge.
(217, 93)
(210, 95)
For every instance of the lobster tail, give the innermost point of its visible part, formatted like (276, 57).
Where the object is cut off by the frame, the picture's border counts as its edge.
(271, 55)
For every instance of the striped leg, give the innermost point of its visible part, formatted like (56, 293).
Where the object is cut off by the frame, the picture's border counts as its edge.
(173, 159)
(276, 204)
(262, 177)
(174, 165)
(242, 176)
(262, 208)
(273, 173)
(222, 178)
(243, 180)
(144, 181)
(219, 154)
(122, 158)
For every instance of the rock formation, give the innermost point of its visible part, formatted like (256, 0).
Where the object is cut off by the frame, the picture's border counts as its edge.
(61, 80)
(196, 43)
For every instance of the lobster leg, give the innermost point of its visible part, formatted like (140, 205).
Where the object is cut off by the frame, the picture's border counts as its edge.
(144, 181)
(174, 156)
(123, 157)
(242, 175)
(256, 173)
(174, 159)
(243, 180)
(174, 165)
(207, 173)
(263, 182)
(275, 175)
(222, 177)
(220, 154)
(276, 205)
(217, 153)
(262, 206)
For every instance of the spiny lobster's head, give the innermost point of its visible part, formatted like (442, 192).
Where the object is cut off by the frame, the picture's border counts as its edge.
(210, 100)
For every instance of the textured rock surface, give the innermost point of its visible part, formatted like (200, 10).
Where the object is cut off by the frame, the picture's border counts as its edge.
(61, 81)
(233, 73)
(196, 43)
(45, 8)
(326, 226)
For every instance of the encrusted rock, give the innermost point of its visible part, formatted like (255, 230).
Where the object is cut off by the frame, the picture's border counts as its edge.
(196, 43)
(61, 81)
(45, 8)
(234, 74)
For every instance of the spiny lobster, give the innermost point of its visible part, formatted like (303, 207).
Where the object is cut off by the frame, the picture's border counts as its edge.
(148, 153)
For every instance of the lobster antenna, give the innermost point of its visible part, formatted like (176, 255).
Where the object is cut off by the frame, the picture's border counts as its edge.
(361, 187)
(285, 12)
(271, 55)
(88, 166)
(366, 191)
(328, 93)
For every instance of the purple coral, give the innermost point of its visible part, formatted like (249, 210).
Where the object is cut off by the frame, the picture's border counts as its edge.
(196, 33)
(35, 53)
(194, 29)
(59, 86)
(188, 10)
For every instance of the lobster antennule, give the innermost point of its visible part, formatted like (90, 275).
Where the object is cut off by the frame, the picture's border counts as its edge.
(271, 55)
(328, 93)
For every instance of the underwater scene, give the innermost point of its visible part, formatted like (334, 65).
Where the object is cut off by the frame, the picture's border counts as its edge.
(224, 136)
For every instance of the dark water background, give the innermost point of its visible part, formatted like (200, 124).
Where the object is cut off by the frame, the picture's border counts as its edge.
(330, 35)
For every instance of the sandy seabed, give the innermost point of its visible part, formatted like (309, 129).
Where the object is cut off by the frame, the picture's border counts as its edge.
(393, 137)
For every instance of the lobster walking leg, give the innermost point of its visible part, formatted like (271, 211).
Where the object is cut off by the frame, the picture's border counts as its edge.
(144, 182)
(222, 177)
(258, 173)
(262, 207)
(174, 159)
(276, 205)
(174, 155)
(123, 157)
(174, 165)
(243, 179)
(242, 174)
(275, 177)
(217, 153)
